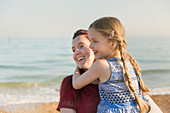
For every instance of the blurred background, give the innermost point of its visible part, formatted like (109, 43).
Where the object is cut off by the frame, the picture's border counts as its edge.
(36, 35)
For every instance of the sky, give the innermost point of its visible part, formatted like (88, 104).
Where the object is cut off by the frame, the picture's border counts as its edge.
(61, 18)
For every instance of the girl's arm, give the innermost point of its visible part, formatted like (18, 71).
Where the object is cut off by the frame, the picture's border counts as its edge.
(99, 70)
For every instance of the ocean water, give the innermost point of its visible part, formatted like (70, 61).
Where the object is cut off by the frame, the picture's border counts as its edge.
(32, 69)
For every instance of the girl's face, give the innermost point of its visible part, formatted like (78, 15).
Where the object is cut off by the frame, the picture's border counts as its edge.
(82, 54)
(101, 46)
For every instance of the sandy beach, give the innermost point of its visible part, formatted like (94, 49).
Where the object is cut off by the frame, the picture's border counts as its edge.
(163, 101)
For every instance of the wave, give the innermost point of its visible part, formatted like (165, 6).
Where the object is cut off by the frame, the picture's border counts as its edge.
(153, 61)
(32, 95)
(19, 67)
(64, 55)
(28, 81)
(20, 84)
(151, 71)
(160, 91)
(46, 94)
(46, 61)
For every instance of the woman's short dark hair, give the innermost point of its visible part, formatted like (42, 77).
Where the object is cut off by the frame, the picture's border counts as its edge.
(80, 32)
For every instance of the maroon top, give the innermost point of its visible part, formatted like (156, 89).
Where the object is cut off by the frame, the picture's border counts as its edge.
(84, 100)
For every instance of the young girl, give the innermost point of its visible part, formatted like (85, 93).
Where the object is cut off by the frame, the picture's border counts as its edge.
(120, 83)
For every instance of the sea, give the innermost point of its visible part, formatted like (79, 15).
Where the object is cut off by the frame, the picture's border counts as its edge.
(32, 69)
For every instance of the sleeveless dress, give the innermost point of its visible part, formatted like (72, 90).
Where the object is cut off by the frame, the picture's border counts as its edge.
(114, 94)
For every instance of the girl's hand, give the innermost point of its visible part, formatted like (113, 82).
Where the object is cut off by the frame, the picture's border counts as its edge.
(76, 75)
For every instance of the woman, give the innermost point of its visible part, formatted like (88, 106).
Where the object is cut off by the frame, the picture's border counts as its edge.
(86, 99)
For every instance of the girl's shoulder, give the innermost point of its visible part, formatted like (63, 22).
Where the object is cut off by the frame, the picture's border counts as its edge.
(102, 68)
(101, 63)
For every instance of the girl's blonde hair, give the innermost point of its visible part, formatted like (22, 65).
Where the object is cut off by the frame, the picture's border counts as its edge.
(105, 26)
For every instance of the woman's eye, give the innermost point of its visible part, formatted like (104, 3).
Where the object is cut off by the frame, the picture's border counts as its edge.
(73, 50)
(81, 46)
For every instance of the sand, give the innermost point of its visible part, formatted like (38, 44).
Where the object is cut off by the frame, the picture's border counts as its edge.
(30, 108)
(163, 101)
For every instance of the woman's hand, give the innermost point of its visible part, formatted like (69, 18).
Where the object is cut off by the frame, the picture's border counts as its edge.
(154, 107)
(67, 110)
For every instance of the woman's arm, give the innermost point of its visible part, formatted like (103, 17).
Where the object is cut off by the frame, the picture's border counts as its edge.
(67, 96)
(67, 110)
(154, 107)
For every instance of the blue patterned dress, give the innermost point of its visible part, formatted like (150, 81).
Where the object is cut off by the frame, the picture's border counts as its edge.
(114, 94)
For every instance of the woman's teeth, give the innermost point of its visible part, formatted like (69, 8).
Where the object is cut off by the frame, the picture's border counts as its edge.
(80, 58)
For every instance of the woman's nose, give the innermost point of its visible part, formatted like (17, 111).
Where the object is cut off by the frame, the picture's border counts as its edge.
(90, 46)
(77, 51)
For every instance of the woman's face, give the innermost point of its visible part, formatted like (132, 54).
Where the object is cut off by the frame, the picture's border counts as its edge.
(83, 55)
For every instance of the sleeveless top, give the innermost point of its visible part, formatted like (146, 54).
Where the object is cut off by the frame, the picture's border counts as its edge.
(114, 94)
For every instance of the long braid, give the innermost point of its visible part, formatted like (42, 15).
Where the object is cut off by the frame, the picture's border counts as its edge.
(126, 75)
(144, 107)
(137, 69)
